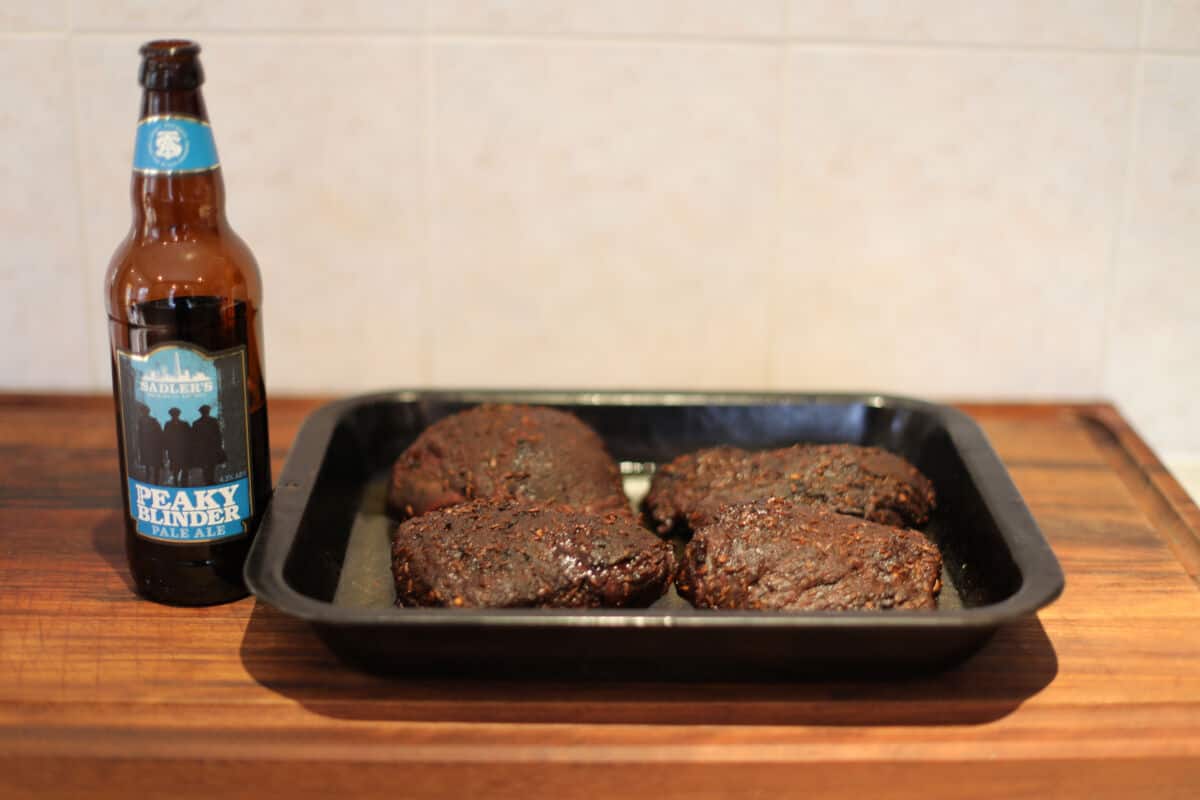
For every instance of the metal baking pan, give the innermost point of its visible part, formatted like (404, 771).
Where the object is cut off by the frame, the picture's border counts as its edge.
(322, 552)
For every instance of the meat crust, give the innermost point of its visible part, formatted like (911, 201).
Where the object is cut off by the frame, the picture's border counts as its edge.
(782, 555)
(506, 451)
(863, 481)
(508, 554)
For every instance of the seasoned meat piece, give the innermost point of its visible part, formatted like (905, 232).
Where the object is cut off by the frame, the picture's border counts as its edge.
(497, 451)
(783, 555)
(863, 481)
(506, 554)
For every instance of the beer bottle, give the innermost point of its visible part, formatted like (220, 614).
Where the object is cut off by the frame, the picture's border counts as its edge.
(183, 294)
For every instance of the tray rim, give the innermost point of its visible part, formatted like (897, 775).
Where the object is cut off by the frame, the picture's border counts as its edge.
(1042, 579)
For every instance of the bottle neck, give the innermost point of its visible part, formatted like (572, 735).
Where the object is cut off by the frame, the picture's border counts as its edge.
(177, 187)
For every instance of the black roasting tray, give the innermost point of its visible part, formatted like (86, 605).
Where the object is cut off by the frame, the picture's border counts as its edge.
(321, 554)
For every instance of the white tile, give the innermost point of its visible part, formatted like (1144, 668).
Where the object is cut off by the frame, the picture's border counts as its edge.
(948, 221)
(187, 17)
(602, 214)
(638, 17)
(42, 299)
(33, 15)
(1186, 469)
(1153, 365)
(1078, 23)
(1173, 24)
(324, 181)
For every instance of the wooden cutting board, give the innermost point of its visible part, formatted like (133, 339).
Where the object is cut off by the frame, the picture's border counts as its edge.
(105, 695)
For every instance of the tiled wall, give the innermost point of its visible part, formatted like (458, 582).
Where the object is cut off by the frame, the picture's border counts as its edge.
(944, 198)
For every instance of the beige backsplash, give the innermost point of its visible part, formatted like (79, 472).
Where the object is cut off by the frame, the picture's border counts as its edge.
(938, 198)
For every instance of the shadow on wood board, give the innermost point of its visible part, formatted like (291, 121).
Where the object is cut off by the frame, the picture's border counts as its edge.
(284, 655)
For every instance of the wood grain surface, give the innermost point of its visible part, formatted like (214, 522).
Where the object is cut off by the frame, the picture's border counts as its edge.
(105, 695)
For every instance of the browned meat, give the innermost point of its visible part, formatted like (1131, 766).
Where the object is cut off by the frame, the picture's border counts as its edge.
(782, 555)
(506, 451)
(863, 481)
(511, 554)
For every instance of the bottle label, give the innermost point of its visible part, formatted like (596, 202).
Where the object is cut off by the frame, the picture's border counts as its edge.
(186, 433)
(173, 144)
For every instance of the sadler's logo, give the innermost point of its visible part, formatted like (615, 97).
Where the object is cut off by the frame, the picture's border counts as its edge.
(180, 382)
(169, 144)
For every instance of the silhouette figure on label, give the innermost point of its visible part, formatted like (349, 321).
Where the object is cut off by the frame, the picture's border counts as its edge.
(177, 433)
(149, 453)
(206, 449)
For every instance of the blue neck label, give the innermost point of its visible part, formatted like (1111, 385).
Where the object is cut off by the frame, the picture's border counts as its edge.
(171, 145)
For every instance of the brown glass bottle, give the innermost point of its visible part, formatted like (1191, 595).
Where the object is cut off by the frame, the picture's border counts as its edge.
(183, 294)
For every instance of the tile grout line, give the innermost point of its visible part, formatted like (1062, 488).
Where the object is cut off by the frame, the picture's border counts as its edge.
(427, 143)
(783, 72)
(799, 42)
(1125, 210)
(95, 381)
(569, 37)
(242, 33)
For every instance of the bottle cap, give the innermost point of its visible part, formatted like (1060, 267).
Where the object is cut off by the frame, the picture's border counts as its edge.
(171, 65)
